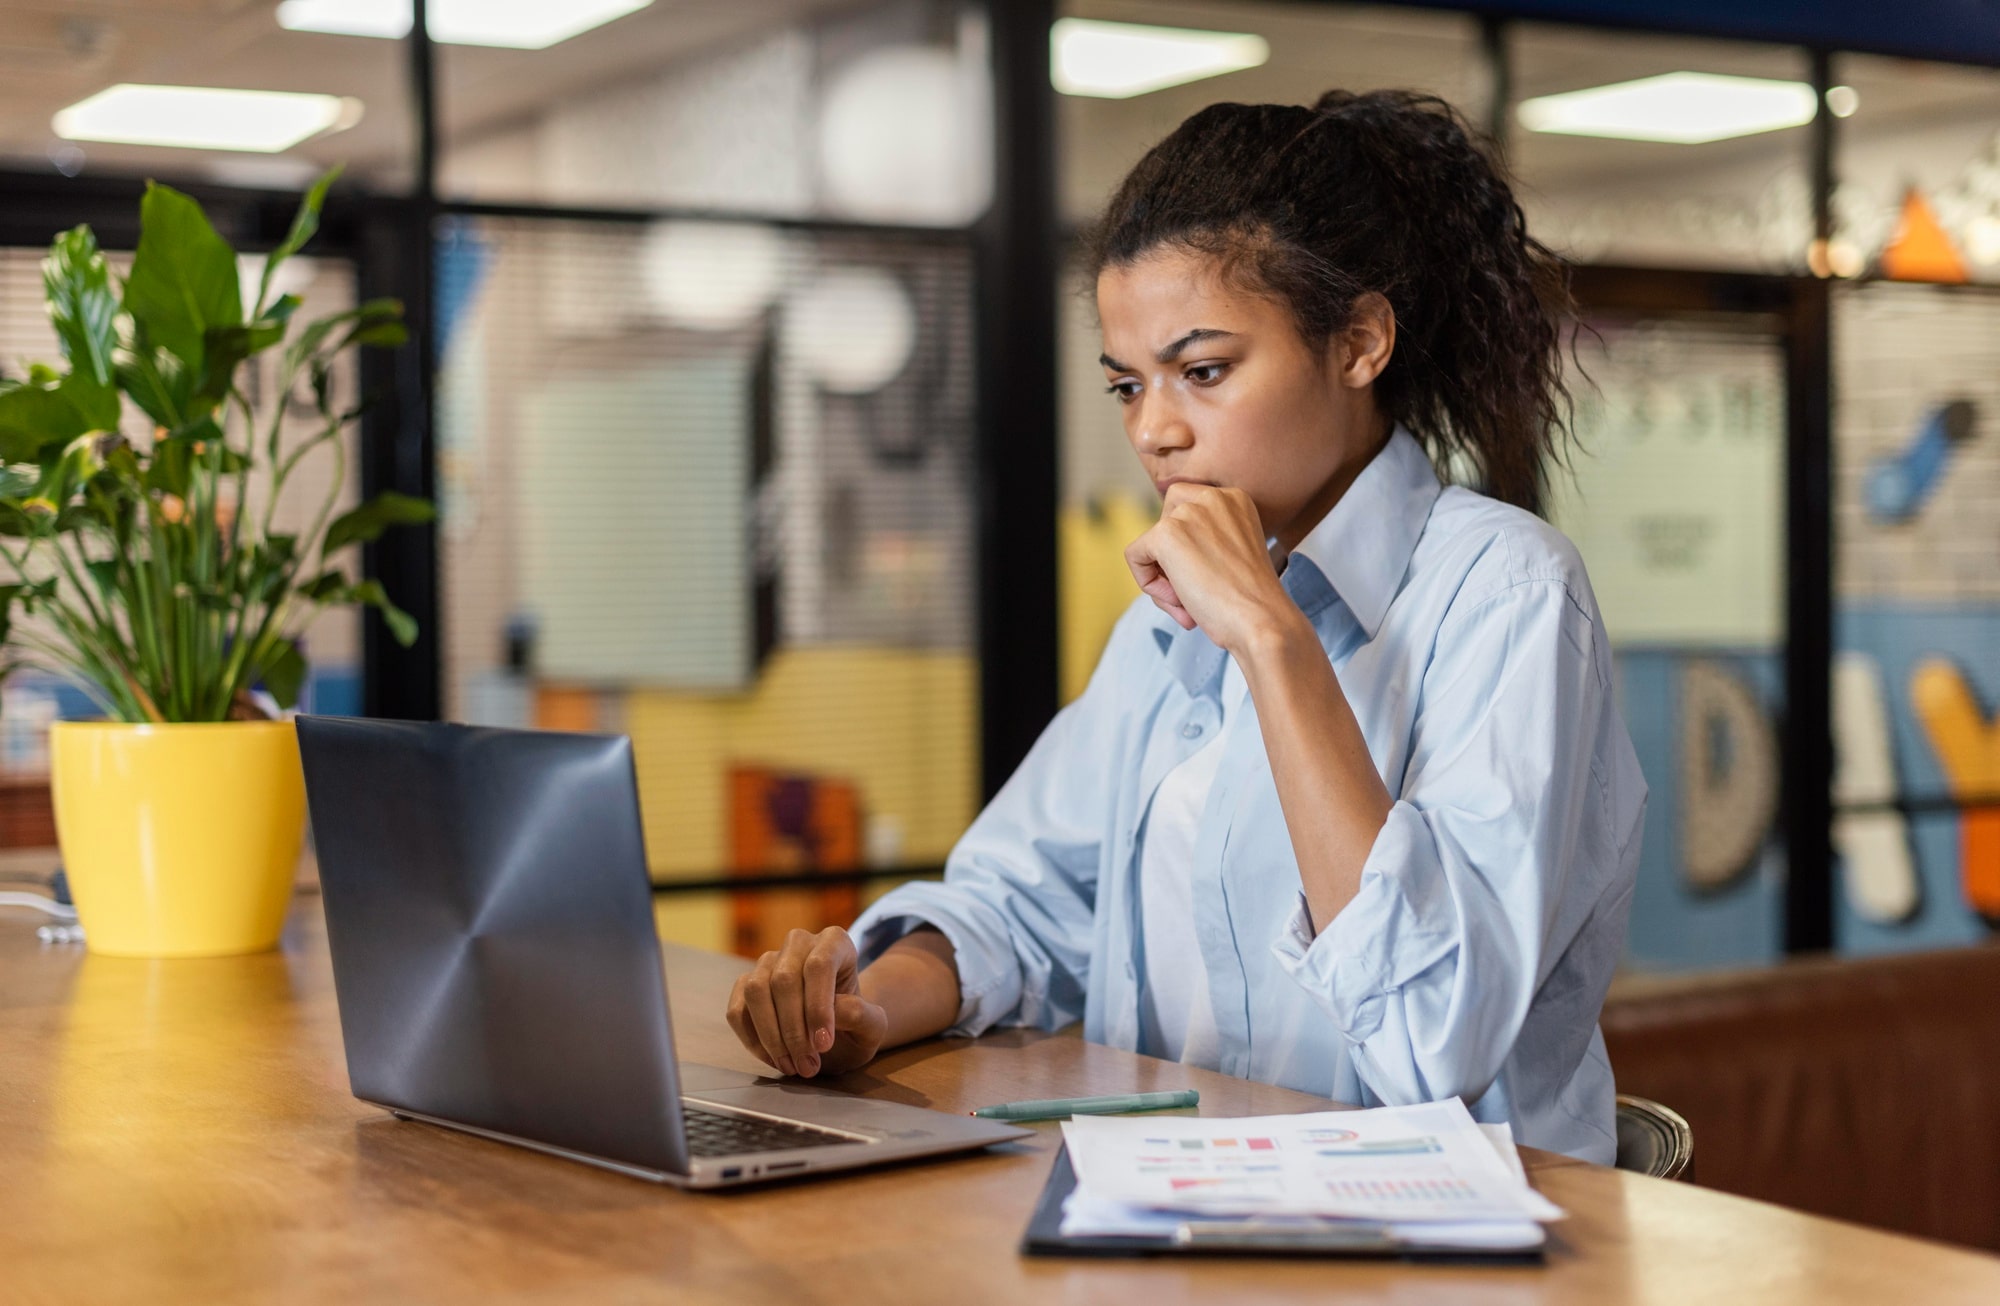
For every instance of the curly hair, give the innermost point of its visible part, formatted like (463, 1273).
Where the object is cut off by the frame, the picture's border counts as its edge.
(1386, 192)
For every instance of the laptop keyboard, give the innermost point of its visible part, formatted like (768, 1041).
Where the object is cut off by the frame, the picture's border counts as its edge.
(710, 1133)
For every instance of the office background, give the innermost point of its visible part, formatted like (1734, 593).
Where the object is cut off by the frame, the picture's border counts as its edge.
(760, 401)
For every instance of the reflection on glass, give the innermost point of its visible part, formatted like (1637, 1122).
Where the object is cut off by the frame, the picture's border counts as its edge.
(1675, 498)
(723, 505)
(1666, 196)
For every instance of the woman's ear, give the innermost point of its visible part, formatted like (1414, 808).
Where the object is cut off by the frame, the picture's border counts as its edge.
(1361, 350)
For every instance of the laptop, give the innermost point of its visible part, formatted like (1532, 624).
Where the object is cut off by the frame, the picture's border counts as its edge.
(495, 960)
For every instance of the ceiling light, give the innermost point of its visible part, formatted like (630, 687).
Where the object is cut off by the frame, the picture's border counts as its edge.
(1843, 100)
(204, 117)
(515, 24)
(1680, 108)
(1114, 61)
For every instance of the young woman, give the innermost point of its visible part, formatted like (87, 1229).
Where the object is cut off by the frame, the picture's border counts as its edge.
(1348, 805)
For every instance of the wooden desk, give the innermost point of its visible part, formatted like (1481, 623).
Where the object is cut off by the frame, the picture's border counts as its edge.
(182, 1132)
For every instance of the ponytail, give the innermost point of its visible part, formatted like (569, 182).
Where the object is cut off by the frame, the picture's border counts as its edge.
(1389, 193)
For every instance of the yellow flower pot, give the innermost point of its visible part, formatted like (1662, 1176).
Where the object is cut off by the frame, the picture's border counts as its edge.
(179, 840)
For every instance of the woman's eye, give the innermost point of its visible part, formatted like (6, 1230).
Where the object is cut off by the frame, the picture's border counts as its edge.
(1206, 373)
(1126, 391)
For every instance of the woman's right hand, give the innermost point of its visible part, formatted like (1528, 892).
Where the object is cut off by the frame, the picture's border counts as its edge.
(801, 1010)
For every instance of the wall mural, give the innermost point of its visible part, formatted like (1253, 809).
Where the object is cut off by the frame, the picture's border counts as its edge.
(1728, 776)
(1968, 751)
(1917, 589)
(1871, 836)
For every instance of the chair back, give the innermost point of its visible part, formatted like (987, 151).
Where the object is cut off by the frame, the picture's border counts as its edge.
(1654, 1139)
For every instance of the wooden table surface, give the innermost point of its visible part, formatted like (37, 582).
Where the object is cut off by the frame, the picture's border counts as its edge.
(182, 1132)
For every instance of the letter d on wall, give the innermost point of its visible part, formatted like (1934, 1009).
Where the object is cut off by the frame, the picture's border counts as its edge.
(1729, 775)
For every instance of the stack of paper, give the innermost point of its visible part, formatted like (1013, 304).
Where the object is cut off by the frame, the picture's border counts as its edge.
(1425, 1176)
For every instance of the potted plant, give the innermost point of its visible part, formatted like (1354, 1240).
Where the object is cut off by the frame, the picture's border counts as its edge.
(137, 488)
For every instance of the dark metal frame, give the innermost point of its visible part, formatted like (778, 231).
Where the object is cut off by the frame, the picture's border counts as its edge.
(1017, 460)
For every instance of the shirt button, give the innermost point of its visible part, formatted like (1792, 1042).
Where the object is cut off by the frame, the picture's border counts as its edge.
(1192, 730)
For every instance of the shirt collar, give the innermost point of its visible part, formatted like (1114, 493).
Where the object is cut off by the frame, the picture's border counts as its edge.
(1358, 551)
(1363, 544)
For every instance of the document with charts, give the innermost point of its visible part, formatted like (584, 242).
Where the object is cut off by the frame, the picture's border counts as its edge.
(1396, 1164)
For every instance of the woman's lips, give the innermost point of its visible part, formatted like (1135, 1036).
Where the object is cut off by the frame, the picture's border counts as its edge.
(1166, 483)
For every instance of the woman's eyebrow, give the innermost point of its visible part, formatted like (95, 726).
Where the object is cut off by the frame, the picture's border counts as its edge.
(1170, 352)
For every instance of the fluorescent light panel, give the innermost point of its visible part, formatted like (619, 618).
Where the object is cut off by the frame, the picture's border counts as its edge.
(1680, 108)
(513, 24)
(203, 117)
(1115, 61)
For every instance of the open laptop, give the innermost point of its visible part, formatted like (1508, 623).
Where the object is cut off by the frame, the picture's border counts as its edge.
(494, 956)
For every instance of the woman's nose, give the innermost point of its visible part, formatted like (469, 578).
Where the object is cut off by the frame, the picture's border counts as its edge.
(1158, 427)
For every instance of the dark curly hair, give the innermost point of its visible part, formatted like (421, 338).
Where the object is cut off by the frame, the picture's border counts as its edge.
(1388, 192)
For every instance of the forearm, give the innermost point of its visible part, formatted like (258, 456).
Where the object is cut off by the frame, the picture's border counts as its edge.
(915, 982)
(1333, 798)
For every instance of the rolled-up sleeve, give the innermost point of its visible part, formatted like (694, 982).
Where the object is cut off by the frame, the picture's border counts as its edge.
(1429, 971)
(1019, 894)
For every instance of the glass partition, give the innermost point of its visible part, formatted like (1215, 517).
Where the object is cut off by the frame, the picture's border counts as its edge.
(1662, 151)
(1917, 615)
(709, 484)
(1675, 496)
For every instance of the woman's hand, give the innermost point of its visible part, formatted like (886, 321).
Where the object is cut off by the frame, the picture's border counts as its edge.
(1205, 564)
(800, 1008)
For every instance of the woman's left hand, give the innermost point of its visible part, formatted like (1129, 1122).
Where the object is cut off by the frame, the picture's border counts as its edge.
(1205, 564)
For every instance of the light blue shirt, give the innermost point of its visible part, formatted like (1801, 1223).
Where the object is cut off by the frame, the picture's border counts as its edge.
(1474, 959)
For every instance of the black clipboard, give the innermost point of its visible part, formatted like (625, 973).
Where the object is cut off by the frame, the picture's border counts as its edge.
(1044, 1237)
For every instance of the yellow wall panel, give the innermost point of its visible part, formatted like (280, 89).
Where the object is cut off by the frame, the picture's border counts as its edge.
(900, 723)
(1095, 584)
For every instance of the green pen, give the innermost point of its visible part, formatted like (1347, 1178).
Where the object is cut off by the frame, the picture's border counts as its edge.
(1061, 1108)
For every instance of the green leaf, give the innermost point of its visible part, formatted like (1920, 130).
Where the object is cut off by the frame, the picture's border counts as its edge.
(367, 522)
(177, 458)
(7, 596)
(96, 404)
(104, 573)
(283, 674)
(368, 317)
(270, 563)
(327, 587)
(402, 626)
(183, 276)
(385, 335)
(81, 459)
(33, 418)
(304, 223)
(171, 468)
(158, 381)
(81, 305)
(225, 347)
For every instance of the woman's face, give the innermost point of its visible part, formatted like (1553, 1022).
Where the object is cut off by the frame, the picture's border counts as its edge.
(1217, 386)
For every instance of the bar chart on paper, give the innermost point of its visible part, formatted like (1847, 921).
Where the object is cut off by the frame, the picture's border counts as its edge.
(1427, 1162)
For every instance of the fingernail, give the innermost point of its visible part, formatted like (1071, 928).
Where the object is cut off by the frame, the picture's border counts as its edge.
(785, 1066)
(822, 1039)
(811, 1067)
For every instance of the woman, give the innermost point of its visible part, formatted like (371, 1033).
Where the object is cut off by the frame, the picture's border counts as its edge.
(1347, 805)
